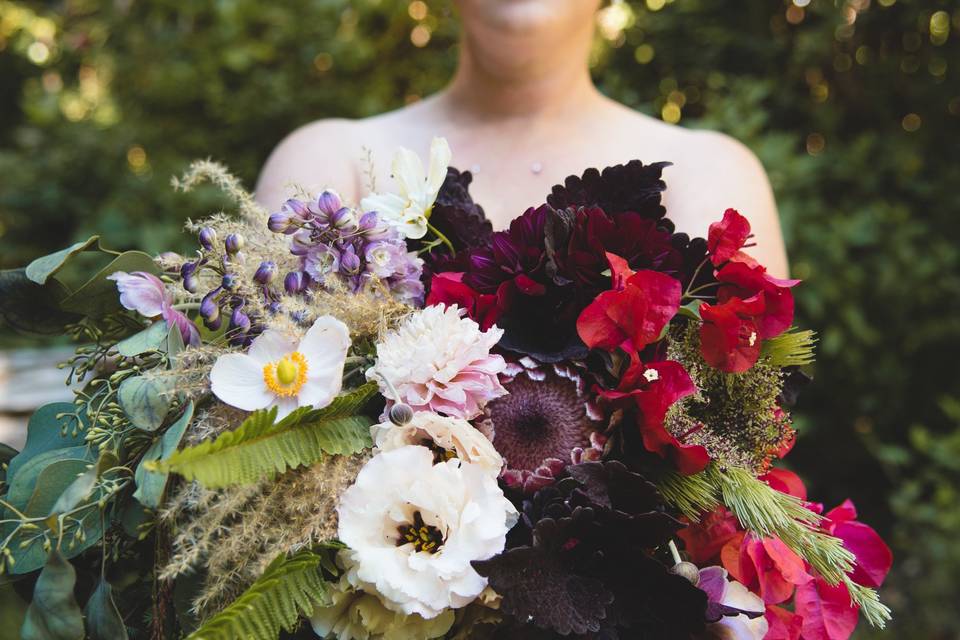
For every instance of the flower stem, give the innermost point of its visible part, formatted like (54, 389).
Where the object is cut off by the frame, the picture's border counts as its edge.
(442, 238)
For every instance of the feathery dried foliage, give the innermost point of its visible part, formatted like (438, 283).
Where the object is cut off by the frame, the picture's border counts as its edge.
(236, 533)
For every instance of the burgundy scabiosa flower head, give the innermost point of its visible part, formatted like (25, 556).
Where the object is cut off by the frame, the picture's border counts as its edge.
(544, 423)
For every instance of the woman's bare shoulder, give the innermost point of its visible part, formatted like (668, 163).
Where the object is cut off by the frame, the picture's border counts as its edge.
(314, 156)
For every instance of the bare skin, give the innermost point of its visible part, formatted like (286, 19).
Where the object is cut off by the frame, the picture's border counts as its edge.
(523, 113)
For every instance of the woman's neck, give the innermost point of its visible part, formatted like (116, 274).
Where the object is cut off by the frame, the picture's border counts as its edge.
(531, 85)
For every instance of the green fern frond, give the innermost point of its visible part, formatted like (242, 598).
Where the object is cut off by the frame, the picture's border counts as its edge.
(763, 510)
(791, 348)
(263, 447)
(289, 587)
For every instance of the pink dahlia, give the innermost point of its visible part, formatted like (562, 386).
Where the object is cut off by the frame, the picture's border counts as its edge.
(438, 361)
(546, 422)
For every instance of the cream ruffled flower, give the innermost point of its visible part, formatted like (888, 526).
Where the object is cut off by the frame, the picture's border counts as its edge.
(279, 371)
(453, 435)
(355, 615)
(437, 361)
(413, 528)
(408, 211)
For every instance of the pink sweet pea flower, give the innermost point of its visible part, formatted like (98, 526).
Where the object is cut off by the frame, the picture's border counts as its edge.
(145, 293)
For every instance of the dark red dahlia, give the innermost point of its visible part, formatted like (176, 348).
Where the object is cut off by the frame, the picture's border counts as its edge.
(632, 187)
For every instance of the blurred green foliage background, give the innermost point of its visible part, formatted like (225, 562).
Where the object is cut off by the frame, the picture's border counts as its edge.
(853, 106)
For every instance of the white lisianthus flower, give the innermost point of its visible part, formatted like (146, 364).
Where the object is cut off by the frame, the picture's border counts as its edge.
(355, 615)
(454, 436)
(413, 527)
(408, 211)
(437, 361)
(280, 371)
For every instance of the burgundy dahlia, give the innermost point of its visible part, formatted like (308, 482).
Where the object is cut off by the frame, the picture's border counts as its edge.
(546, 422)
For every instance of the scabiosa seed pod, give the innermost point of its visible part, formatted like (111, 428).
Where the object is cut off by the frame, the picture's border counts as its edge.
(265, 272)
(295, 282)
(233, 243)
(188, 276)
(229, 281)
(401, 414)
(208, 237)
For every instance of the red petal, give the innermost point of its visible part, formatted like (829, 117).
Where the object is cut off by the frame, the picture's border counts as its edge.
(786, 482)
(620, 271)
(595, 327)
(783, 624)
(704, 540)
(844, 512)
(726, 336)
(725, 238)
(645, 306)
(448, 289)
(874, 557)
(826, 611)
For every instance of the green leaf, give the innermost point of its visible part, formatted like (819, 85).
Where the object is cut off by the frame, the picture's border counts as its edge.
(146, 401)
(99, 296)
(101, 614)
(174, 344)
(54, 613)
(42, 268)
(289, 587)
(262, 446)
(691, 310)
(152, 338)
(26, 480)
(81, 488)
(151, 484)
(31, 308)
(45, 431)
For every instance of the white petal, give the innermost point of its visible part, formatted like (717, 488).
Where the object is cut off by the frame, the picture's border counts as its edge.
(325, 347)
(414, 225)
(285, 406)
(408, 172)
(440, 156)
(388, 205)
(270, 346)
(237, 379)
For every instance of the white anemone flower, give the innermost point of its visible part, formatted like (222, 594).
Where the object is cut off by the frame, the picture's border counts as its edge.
(414, 526)
(408, 211)
(279, 371)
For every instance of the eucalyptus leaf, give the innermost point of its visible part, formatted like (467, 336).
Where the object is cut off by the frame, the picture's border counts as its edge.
(42, 268)
(153, 337)
(32, 308)
(61, 486)
(174, 342)
(102, 616)
(44, 431)
(81, 488)
(146, 401)
(151, 484)
(99, 296)
(53, 613)
(6, 455)
(24, 483)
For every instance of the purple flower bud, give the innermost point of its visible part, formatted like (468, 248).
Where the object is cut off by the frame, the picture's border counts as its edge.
(298, 208)
(349, 261)
(281, 223)
(296, 282)
(233, 243)
(302, 243)
(214, 324)
(239, 321)
(188, 277)
(343, 219)
(208, 238)
(265, 272)
(209, 309)
(229, 281)
(329, 202)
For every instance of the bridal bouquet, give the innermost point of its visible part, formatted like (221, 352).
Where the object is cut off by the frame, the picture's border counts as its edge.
(382, 420)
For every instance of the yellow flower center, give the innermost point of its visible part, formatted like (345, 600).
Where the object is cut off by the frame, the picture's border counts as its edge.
(287, 375)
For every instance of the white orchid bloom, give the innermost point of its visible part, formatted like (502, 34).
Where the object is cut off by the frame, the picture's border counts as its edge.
(279, 371)
(408, 211)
